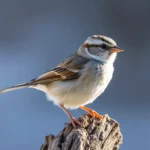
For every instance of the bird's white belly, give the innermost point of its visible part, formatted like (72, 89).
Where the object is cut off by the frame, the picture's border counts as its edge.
(75, 93)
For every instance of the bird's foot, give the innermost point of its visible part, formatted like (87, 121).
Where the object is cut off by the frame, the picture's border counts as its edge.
(92, 112)
(73, 121)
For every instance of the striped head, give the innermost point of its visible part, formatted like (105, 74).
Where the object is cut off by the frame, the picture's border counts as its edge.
(100, 48)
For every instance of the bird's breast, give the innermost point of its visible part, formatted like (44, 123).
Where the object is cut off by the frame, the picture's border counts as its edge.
(74, 93)
(104, 75)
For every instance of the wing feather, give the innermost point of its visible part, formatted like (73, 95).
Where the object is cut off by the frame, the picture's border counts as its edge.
(67, 70)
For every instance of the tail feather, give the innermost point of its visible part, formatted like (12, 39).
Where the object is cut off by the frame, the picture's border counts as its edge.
(16, 87)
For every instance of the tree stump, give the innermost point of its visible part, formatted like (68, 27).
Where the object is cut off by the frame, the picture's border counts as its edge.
(93, 134)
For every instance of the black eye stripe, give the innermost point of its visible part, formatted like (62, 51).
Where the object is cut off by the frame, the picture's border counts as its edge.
(103, 46)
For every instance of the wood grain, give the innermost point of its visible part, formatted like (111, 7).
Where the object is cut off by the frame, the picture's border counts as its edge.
(93, 134)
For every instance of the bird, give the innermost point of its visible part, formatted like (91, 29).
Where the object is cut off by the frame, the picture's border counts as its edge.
(80, 78)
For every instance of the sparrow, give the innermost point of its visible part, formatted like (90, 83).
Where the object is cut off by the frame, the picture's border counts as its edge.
(80, 78)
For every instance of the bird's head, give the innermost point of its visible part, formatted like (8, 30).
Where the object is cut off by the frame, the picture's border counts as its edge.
(100, 48)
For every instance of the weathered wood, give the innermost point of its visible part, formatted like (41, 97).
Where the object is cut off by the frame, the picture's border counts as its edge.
(93, 134)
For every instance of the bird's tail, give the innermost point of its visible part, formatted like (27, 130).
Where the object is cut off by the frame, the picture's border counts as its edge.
(16, 87)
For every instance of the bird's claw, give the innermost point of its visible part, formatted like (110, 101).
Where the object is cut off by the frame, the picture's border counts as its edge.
(95, 114)
(74, 122)
(91, 112)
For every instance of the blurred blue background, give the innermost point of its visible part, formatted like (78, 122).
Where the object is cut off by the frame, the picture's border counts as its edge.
(36, 35)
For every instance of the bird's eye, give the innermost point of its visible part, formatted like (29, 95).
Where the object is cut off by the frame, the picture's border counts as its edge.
(103, 46)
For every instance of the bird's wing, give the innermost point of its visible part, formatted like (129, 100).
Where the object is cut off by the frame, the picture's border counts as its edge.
(67, 70)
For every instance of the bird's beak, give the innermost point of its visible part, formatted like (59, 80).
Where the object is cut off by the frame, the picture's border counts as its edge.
(116, 49)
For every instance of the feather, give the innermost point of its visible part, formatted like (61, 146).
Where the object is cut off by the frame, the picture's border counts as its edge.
(16, 87)
(67, 70)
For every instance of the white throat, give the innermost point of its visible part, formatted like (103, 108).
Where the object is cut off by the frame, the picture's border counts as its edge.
(111, 58)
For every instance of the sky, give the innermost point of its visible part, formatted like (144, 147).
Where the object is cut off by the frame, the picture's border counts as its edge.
(37, 35)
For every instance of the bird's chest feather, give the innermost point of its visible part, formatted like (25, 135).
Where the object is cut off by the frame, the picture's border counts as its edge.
(97, 79)
(92, 82)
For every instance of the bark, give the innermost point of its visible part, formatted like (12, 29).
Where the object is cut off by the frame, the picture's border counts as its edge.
(93, 134)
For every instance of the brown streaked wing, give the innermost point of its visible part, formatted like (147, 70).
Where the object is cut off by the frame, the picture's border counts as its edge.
(67, 70)
(74, 62)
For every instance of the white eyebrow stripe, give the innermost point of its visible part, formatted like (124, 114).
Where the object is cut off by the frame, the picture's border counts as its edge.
(108, 40)
(93, 42)
(99, 40)
(103, 39)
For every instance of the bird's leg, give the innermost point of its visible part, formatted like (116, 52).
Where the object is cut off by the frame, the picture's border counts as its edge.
(72, 119)
(91, 112)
